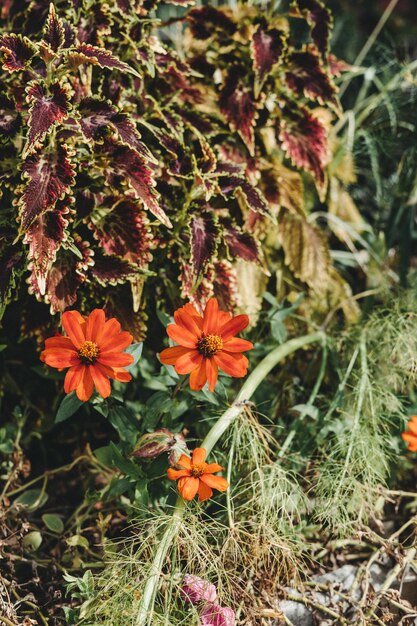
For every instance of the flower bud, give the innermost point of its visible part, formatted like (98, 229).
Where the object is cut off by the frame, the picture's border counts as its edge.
(196, 589)
(153, 444)
(216, 615)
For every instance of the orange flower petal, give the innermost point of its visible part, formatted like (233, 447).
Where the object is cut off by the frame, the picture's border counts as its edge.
(59, 342)
(212, 371)
(192, 311)
(204, 491)
(94, 324)
(184, 461)
(73, 377)
(85, 386)
(212, 468)
(235, 365)
(412, 426)
(74, 324)
(116, 343)
(234, 326)
(216, 482)
(198, 376)
(101, 381)
(169, 356)
(187, 321)
(174, 474)
(188, 362)
(199, 456)
(224, 317)
(181, 336)
(60, 358)
(188, 487)
(211, 317)
(237, 345)
(115, 359)
(408, 436)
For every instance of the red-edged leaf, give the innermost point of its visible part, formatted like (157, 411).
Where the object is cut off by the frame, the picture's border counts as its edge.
(304, 139)
(10, 262)
(238, 106)
(54, 32)
(46, 110)
(124, 232)
(204, 235)
(337, 66)
(9, 118)
(50, 176)
(206, 21)
(306, 76)
(198, 296)
(225, 285)
(111, 270)
(133, 167)
(320, 19)
(267, 47)
(18, 52)
(44, 238)
(66, 275)
(97, 116)
(240, 188)
(240, 244)
(86, 53)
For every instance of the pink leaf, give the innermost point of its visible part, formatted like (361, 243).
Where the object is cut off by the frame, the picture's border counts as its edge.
(238, 106)
(267, 47)
(46, 110)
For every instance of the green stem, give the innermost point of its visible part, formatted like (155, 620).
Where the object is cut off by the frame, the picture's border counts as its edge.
(145, 610)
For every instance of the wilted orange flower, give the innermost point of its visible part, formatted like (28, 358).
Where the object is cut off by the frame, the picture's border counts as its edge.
(93, 351)
(411, 434)
(197, 476)
(206, 343)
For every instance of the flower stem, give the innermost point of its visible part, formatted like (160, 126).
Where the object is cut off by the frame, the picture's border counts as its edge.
(145, 611)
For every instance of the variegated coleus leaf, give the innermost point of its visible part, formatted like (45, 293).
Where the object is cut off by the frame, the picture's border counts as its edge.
(241, 244)
(304, 140)
(54, 31)
(85, 53)
(10, 119)
(306, 76)
(119, 304)
(267, 48)
(206, 21)
(237, 103)
(18, 52)
(320, 19)
(44, 238)
(238, 187)
(47, 109)
(225, 285)
(10, 263)
(111, 270)
(97, 116)
(124, 232)
(205, 232)
(50, 175)
(128, 163)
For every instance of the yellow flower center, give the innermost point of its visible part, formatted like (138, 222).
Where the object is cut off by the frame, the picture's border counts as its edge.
(88, 352)
(198, 470)
(208, 345)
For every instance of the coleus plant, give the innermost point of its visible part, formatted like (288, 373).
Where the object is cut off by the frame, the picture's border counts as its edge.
(127, 165)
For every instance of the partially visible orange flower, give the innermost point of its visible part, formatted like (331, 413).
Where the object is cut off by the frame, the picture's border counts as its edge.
(207, 343)
(197, 476)
(93, 351)
(411, 434)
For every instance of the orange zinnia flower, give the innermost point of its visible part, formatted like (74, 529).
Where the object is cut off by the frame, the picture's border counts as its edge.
(197, 476)
(93, 351)
(206, 343)
(411, 434)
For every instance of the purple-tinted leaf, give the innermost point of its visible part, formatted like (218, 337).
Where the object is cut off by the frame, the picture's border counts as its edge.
(86, 53)
(133, 167)
(47, 109)
(242, 245)
(206, 21)
(18, 52)
(66, 275)
(225, 285)
(204, 235)
(267, 47)
(50, 175)
(304, 139)
(306, 76)
(238, 106)
(239, 187)
(44, 238)
(120, 305)
(111, 270)
(10, 261)
(10, 119)
(124, 232)
(320, 19)
(54, 32)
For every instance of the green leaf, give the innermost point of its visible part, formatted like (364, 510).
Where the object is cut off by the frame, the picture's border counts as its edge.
(123, 420)
(32, 499)
(32, 541)
(69, 405)
(3, 346)
(126, 466)
(135, 349)
(53, 523)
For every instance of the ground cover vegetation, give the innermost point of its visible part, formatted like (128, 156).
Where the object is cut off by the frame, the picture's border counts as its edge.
(208, 311)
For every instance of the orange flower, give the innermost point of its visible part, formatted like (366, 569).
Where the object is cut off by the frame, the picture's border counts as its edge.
(206, 343)
(411, 434)
(93, 351)
(197, 476)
